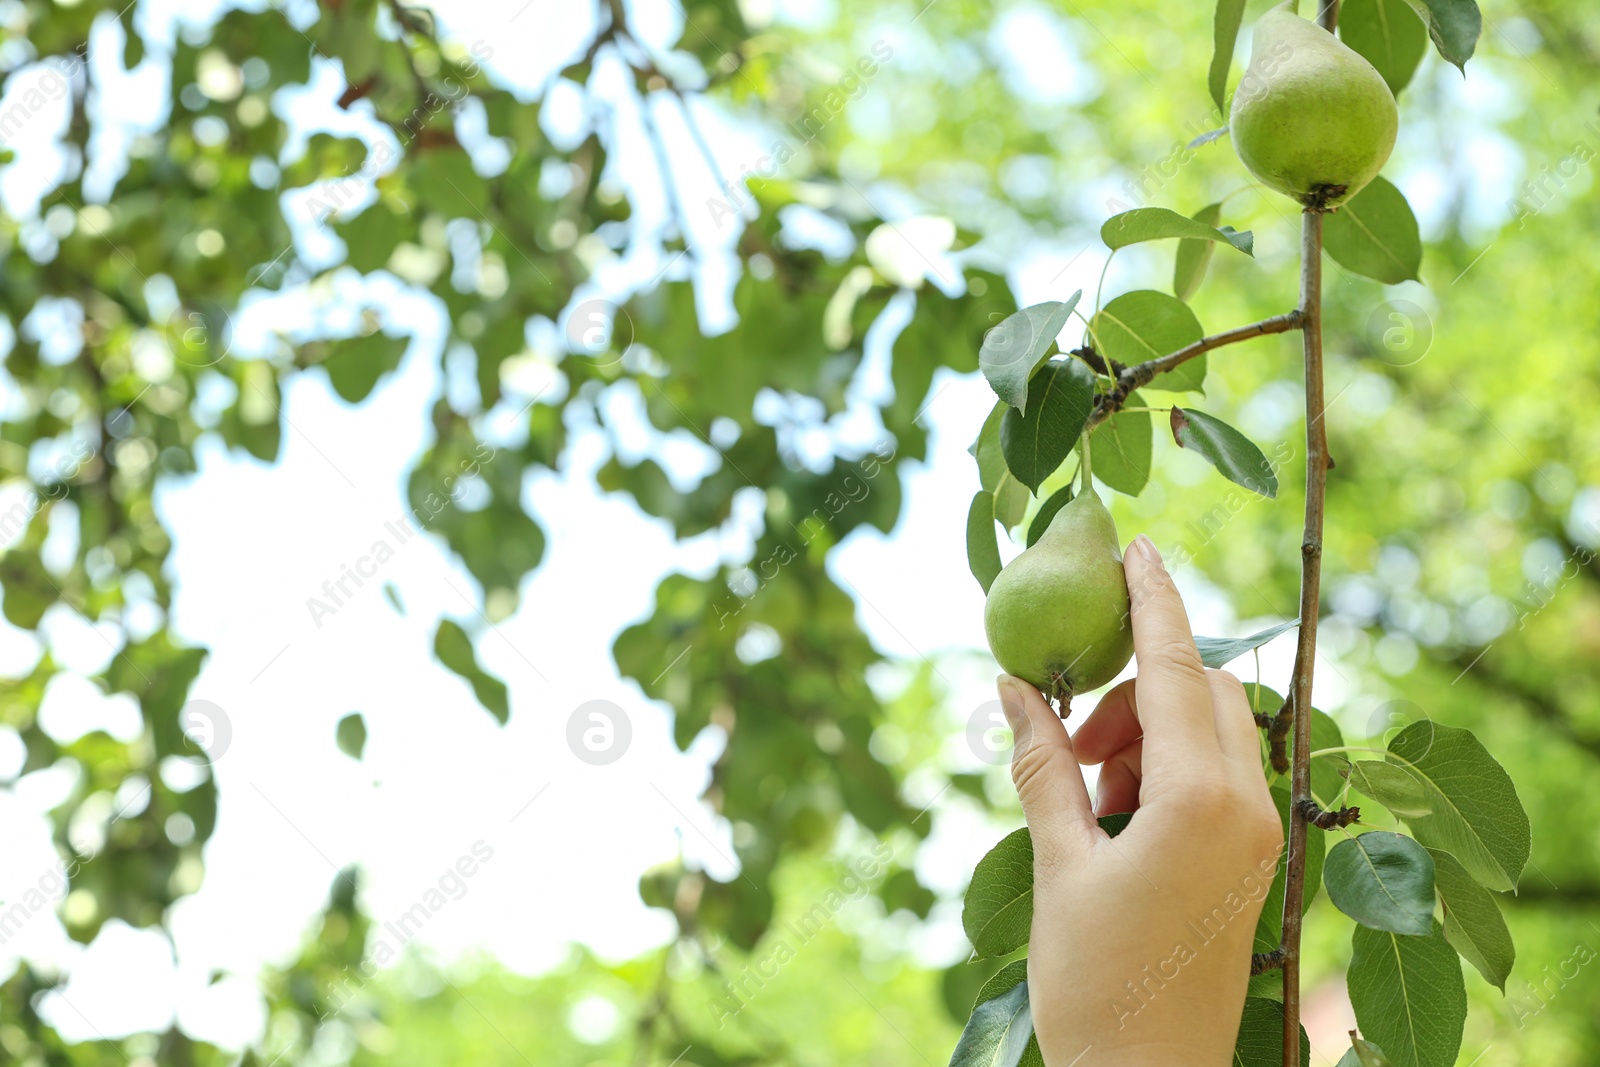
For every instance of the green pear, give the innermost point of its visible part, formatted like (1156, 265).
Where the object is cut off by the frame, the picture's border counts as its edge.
(1057, 615)
(1311, 118)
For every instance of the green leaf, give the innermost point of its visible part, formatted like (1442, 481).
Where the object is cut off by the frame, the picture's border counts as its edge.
(351, 735)
(1046, 512)
(983, 548)
(1194, 255)
(444, 181)
(1260, 1040)
(1115, 823)
(354, 366)
(1472, 921)
(1383, 880)
(1159, 223)
(1228, 450)
(1388, 34)
(1144, 325)
(1390, 785)
(371, 237)
(1013, 350)
(1475, 814)
(1217, 651)
(1122, 447)
(1001, 982)
(1454, 26)
(998, 1032)
(28, 590)
(1408, 995)
(998, 910)
(1375, 235)
(454, 649)
(1034, 444)
(1010, 496)
(1363, 1054)
(1224, 34)
(1327, 781)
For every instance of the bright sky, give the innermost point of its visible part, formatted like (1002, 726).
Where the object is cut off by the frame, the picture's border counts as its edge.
(441, 780)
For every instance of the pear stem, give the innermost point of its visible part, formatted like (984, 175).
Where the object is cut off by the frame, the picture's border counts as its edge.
(1085, 485)
(1299, 703)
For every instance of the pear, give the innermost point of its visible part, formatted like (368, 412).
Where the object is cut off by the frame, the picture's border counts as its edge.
(1311, 118)
(1057, 615)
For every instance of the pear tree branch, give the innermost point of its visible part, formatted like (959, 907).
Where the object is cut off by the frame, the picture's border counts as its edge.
(1140, 374)
(1299, 702)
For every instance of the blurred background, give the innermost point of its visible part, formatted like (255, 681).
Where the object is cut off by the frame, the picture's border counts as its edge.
(484, 499)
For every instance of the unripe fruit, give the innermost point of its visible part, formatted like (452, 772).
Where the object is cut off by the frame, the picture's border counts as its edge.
(1057, 616)
(1311, 118)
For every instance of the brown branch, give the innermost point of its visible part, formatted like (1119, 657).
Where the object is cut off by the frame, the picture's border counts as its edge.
(1140, 374)
(1326, 820)
(1278, 736)
(1262, 962)
(1306, 651)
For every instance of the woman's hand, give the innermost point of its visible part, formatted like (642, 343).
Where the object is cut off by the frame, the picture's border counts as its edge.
(1140, 948)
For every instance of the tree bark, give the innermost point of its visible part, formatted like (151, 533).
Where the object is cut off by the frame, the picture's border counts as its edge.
(1306, 651)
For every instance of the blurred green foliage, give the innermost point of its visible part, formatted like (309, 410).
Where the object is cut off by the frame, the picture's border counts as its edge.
(1458, 558)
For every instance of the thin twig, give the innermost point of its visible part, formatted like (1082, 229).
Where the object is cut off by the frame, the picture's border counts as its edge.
(1306, 651)
(1262, 962)
(1140, 374)
(1334, 819)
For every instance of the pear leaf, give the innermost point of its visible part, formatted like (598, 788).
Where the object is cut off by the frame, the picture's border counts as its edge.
(1387, 34)
(1122, 447)
(1159, 223)
(1224, 35)
(1260, 1040)
(1383, 880)
(1013, 350)
(1408, 993)
(1376, 235)
(983, 548)
(1047, 511)
(1472, 921)
(1228, 450)
(1454, 26)
(1363, 1053)
(1194, 255)
(998, 1033)
(1035, 443)
(1010, 496)
(453, 648)
(1216, 651)
(1145, 325)
(1003, 981)
(351, 735)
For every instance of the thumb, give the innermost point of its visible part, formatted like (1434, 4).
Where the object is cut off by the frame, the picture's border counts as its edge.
(1045, 770)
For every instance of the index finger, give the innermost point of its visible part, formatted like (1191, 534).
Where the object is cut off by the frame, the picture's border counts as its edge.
(1172, 696)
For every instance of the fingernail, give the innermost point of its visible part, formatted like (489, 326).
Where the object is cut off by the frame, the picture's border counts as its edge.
(1147, 548)
(1011, 702)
